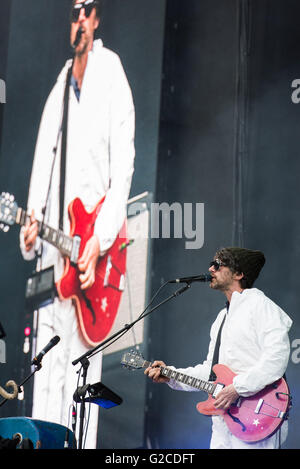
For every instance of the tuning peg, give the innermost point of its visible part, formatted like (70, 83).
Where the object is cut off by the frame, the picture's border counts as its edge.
(4, 228)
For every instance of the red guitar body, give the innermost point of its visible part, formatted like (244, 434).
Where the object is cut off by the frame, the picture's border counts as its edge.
(254, 418)
(96, 307)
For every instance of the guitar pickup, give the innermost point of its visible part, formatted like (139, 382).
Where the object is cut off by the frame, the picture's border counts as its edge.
(75, 249)
(107, 271)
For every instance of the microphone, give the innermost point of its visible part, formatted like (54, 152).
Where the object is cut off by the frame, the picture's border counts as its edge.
(46, 349)
(78, 37)
(194, 278)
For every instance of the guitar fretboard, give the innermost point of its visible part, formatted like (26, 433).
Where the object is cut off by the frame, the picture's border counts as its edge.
(196, 383)
(55, 237)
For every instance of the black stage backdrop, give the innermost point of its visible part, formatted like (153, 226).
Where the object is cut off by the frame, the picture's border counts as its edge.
(4, 32)
(216, 124)
(228, 138)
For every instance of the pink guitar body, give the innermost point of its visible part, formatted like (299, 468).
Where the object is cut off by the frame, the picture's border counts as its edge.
(250, 419)
(253, 418)
(96, 307)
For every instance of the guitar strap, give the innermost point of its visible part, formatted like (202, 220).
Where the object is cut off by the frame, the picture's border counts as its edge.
(64, 149)
(215, 360)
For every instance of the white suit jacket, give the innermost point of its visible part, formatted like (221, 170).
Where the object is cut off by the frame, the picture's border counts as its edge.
(100, 152)
(254, 343)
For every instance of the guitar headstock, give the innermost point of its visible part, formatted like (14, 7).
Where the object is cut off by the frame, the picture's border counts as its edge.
(8, 211)
(132, 360)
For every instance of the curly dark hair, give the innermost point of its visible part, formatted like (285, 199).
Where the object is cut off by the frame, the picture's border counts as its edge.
(230, 261)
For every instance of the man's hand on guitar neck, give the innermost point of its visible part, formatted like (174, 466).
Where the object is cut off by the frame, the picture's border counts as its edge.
(226, 397)
(154, 372)
(30, 232)
(87, 262)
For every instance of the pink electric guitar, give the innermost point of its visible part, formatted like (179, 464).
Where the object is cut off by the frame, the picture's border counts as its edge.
(250, 419)
(96, 307)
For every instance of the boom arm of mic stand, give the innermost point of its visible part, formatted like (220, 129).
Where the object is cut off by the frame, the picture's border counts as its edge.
(37, 367)
(127, 327)
(84, 358)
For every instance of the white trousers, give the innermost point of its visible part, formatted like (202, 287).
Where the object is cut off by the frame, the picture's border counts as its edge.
(57, 380)
(222, 438)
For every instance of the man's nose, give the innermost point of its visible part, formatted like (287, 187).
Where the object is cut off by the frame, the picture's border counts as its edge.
(82, 16)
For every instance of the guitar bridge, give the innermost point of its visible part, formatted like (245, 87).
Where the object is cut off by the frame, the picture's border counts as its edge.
(258, 407)
(75, 249)
(113, 277)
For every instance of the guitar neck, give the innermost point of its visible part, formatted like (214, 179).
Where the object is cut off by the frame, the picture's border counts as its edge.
(55, 237)
(196, 383)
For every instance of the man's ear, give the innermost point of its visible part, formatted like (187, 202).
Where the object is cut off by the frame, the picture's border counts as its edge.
(238, 276)
(96, 24)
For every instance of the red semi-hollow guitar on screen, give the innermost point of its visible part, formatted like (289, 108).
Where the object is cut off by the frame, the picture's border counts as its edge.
(250, 419)
(97, 306)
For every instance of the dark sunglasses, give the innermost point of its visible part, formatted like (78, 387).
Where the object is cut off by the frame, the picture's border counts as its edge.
(216, 264)
(88, 6)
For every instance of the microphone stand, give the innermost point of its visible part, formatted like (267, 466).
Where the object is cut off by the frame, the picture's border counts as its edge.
(83, 359)
(37, 366)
